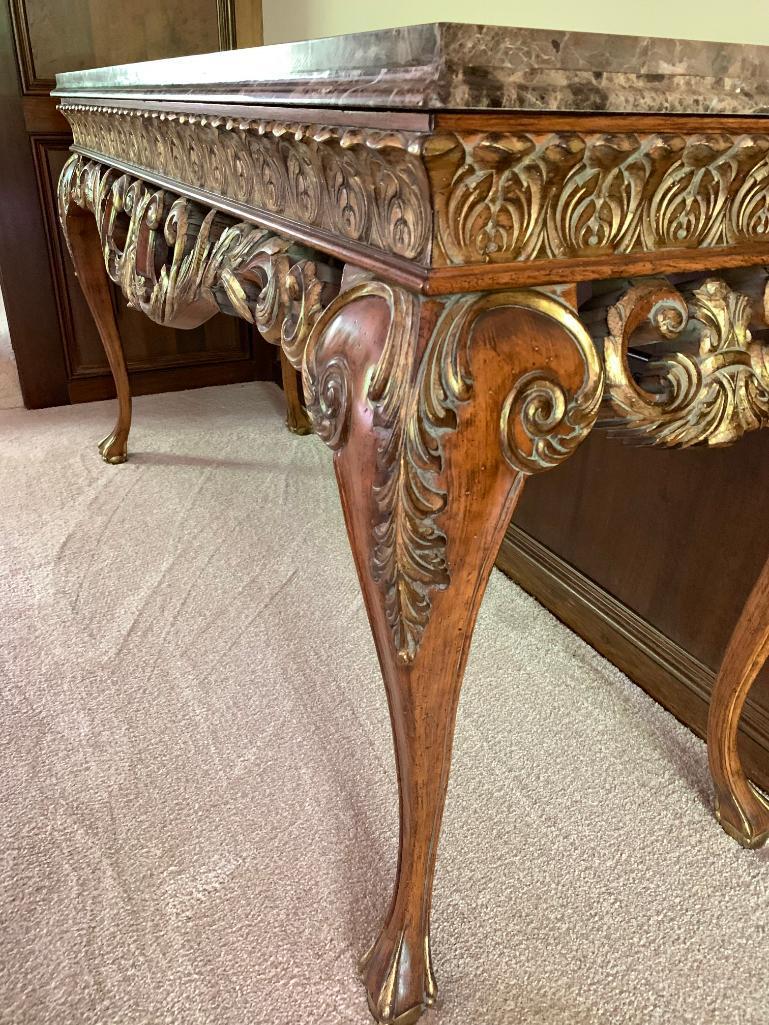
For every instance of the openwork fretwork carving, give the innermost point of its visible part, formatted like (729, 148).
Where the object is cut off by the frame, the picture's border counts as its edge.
(710, 387)
(180, 264)
(502, 196)
(363, 185)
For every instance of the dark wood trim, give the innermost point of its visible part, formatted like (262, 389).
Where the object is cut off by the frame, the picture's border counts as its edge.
(41, 117)
(55, 245)
(25, 275)
(662, 668)
(147, 382)
(603, 123)
(484, 276)
(30, 84)
(225, 12)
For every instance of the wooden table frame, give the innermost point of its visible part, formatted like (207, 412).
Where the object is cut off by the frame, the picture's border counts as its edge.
(434, 278)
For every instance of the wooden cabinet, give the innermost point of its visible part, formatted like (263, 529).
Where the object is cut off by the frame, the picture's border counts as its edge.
(59, 356)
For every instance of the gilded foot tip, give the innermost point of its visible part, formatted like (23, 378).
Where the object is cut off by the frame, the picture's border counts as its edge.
(302, 429)
(391, 980)
(112, 451)
(406, 1018)
(747, 833)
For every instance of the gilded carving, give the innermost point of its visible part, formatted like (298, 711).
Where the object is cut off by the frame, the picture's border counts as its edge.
(414, 409)
(458, 198)
(514, 196)
(540, 424)
(709, 388)
(180, 264)
(408, 557)
(364, 185)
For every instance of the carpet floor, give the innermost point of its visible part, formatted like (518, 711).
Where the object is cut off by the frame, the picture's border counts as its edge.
(198, 803)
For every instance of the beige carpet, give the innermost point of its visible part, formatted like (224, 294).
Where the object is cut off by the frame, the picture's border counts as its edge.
(197, 787)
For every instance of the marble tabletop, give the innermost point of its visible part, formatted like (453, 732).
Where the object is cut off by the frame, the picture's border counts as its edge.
(447, 66)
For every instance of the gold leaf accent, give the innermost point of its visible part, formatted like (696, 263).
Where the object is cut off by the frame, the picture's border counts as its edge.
(413, 414)
(366, 185)
(502, 196)
(180, 264)
(711, 392)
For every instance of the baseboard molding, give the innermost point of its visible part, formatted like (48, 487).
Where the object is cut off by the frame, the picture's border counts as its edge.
(665, 670)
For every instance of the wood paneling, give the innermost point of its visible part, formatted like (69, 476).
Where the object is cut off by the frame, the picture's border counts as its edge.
(670, 543)
(54, 36)
(25, 271)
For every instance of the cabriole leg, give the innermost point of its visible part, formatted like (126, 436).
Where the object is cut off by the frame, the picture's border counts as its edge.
(740, 808)
(85, 247)
(297, 420)
(437, 413)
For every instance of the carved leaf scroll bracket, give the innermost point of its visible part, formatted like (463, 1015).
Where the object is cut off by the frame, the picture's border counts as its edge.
(708, 382)
(540, 423)
(417, 397)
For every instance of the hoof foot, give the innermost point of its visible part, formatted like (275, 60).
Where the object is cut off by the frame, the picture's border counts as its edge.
(749, 826)
(113, 449)
(300, 427)
(399, 980)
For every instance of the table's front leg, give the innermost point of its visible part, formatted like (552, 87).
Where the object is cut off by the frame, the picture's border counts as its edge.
(437, 411)
(740, 808)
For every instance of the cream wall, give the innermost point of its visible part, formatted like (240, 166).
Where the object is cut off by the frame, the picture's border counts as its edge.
(743, 21)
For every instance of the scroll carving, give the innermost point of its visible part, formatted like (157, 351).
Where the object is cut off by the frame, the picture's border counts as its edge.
(514, 196)
(540, 425)
(712, 386)
(541, 422)
(364, 185)
(180, 264)
(458, 197)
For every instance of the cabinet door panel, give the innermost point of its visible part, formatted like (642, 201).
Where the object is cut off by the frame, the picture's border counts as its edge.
(94, 33)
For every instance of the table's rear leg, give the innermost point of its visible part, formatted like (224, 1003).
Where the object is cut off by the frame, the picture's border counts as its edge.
(86, 249)
(437, 412)
(297, 420)
(740, 808)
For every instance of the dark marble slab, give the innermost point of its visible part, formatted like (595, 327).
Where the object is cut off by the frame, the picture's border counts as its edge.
(451, 66)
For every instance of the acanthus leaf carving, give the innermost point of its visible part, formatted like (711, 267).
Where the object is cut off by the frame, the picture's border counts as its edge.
(710, 389)
(366, 185)
(502, 196)
(416, 402)
(458, 197)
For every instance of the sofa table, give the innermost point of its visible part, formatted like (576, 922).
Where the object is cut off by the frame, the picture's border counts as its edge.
(473, 243)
